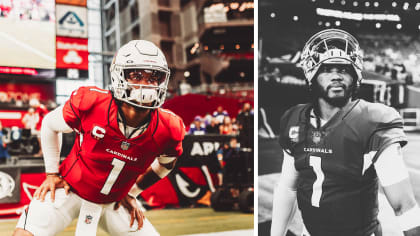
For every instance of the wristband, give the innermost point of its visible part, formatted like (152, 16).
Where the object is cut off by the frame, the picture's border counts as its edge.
(57, 174)
(159, 170)
(135, 191)
(409, 219)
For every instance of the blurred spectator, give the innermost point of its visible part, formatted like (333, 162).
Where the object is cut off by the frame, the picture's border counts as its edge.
(4, 154)
(220, 114)
(226, 127)
(246, 126)
(184, 87)
(207, 118)
(197, 127)
(213, 127)
(235, 126)
(40, 109)
(228, 156)
(30, 119)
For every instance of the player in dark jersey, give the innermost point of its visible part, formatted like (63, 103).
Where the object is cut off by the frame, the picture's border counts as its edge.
(125, 143)
(336, 149)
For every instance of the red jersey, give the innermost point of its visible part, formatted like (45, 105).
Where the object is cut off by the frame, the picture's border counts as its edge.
(103, 164)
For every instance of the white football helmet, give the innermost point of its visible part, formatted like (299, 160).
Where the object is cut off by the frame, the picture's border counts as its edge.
(331, 46)
(139, 55)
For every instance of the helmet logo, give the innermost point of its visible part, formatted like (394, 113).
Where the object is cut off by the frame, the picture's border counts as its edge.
(294, 134)
(130, 61)
(127, 55)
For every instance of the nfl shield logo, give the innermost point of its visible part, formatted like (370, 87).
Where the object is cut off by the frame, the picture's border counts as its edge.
(316, 136)
(125, 145)
(88, 219)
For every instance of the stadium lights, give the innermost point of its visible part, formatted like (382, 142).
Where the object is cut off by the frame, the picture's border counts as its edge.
(319, 23)
(252, 45)
(378, 25)
(367, 4)
(272, 15)
(357, 16)
(406, 5)
(331, 1)
(399, 26)
(222, 47)
(327, 24)
(343, 2)
(206, 48)
(417, 7)
(187, 74)
(313, 0)
(337, 23)
(394, 4)
(237, 46)
(295, 18)
(419, 27)
(242, 74)
(355, 4)
(376, 4)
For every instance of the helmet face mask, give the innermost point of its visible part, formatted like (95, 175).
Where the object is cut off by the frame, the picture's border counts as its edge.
(130, 65)
(331, 46)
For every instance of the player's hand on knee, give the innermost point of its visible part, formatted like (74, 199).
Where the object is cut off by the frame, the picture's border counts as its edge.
(133, 208)
(51, 183)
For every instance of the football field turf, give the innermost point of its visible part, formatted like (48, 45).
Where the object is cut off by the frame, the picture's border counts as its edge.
(174, 222)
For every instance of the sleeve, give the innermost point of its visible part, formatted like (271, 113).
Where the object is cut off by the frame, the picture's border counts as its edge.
(391, 161)
(284, 140)
(388, 130)
(79, 102)
(177, 133)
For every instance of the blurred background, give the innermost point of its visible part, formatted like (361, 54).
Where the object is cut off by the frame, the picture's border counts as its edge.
(48, 48)
(389, 35)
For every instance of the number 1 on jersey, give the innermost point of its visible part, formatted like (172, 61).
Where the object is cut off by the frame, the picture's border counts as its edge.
(315, 162)
(113, 175)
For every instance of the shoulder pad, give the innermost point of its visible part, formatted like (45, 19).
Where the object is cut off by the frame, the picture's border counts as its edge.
(173, 124)
(85, 97)
(294, 114)
(379, 113)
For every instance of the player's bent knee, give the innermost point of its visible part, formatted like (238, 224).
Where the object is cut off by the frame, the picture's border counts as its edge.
(22, 232)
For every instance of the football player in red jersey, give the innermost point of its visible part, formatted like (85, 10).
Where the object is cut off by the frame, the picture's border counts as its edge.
(336, 149)
(125, 143)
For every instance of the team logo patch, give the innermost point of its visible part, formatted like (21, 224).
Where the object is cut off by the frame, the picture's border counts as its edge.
(125, 145)
(294, 134)
(88, 219)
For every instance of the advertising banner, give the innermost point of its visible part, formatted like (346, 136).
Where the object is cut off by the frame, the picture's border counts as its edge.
(27, 34)
(72, 2)
(72, 53)
(71, 21)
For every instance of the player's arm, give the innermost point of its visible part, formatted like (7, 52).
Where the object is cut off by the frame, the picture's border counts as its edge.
(284, 197)
(52, 125)
(393, 176)
(160, 168)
